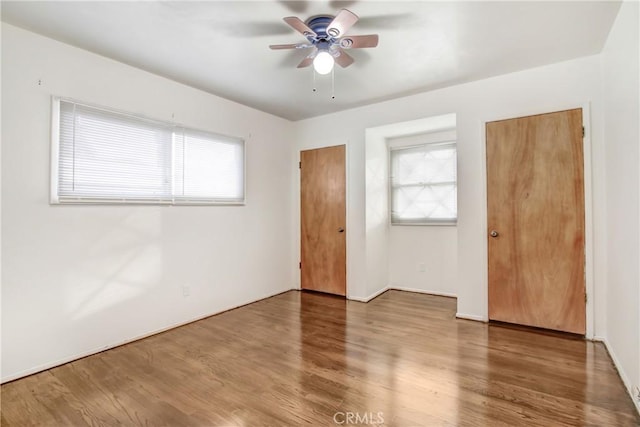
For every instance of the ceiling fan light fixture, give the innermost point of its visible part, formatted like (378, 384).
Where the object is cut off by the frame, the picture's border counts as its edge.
(323, 62)
(325, 34)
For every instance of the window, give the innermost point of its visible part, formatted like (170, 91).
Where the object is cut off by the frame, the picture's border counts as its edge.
(423, 184)
(106, 156)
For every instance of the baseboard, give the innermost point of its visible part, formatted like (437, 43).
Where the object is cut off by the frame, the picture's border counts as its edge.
(400, 288)
(84, 354)
(471, 317)
(370, 297)
(422, 291)
(616, 362)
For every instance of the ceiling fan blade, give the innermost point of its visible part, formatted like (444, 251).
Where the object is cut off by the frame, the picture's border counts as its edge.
(343, 59)
(299, 26)
(309, 59)
(305, 62)
(290, 46)
(356, 42)
(341, 23)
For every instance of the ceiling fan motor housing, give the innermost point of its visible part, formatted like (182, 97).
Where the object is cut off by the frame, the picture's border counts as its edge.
(319, 24)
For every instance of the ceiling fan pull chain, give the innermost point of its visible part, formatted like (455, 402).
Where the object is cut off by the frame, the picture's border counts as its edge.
(313, 71)
(333, 85)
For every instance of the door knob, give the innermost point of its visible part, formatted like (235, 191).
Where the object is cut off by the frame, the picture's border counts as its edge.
(493, 233)
(340, 230)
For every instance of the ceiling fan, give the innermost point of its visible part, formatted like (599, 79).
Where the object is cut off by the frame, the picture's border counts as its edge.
(325, 34)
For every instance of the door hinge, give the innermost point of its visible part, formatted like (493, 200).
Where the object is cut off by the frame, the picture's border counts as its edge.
(299, 165)
(583, 131)
(300, 265)
(585, 298)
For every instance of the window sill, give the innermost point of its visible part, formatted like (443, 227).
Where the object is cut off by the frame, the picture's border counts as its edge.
(139, 202)
(420, 224)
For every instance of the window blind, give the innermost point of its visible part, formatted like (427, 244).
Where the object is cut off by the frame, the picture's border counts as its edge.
(208, 170)
(107, 156)
(423, 184)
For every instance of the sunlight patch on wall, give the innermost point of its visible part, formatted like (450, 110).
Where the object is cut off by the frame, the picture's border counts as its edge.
(123, 263)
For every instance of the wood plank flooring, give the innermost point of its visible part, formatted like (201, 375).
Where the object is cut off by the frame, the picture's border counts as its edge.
(312, 359)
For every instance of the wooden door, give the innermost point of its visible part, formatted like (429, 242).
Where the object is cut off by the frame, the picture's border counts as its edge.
(323, 220)
(535, 191)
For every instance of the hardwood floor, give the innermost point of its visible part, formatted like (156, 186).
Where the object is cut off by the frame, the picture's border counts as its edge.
(311, 359)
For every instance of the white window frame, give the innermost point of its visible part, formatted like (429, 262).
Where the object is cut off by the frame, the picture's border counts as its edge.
(56, 199)
(427, 221)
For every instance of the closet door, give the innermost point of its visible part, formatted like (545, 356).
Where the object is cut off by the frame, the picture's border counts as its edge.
(535, 189)
(323, 220)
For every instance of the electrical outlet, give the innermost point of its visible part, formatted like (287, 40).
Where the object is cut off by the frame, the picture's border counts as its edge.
(185, 291)
(422, 267)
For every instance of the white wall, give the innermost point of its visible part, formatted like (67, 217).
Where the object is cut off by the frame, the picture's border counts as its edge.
(76, 279)
(622, 139)
(555, 87)
(424, 259)
(376, 212)
(0, 222)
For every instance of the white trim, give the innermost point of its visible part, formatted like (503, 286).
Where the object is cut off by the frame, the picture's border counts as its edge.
(55, 149)
(439, 123)
(403, 289)
(370, 297)
(245, 141)
(67, 200)
(93, 351)
(473, 317)
(616, 362)
(423, 291)
(448, 223)
(588, 205)
(483, 213)
(588, 222)
(348, 267)
(429, 146)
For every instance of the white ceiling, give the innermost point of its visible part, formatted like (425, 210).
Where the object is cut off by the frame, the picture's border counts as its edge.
(222, 46)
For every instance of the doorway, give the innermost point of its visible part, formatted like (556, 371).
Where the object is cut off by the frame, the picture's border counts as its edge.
(323, 263)
(536, 221)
